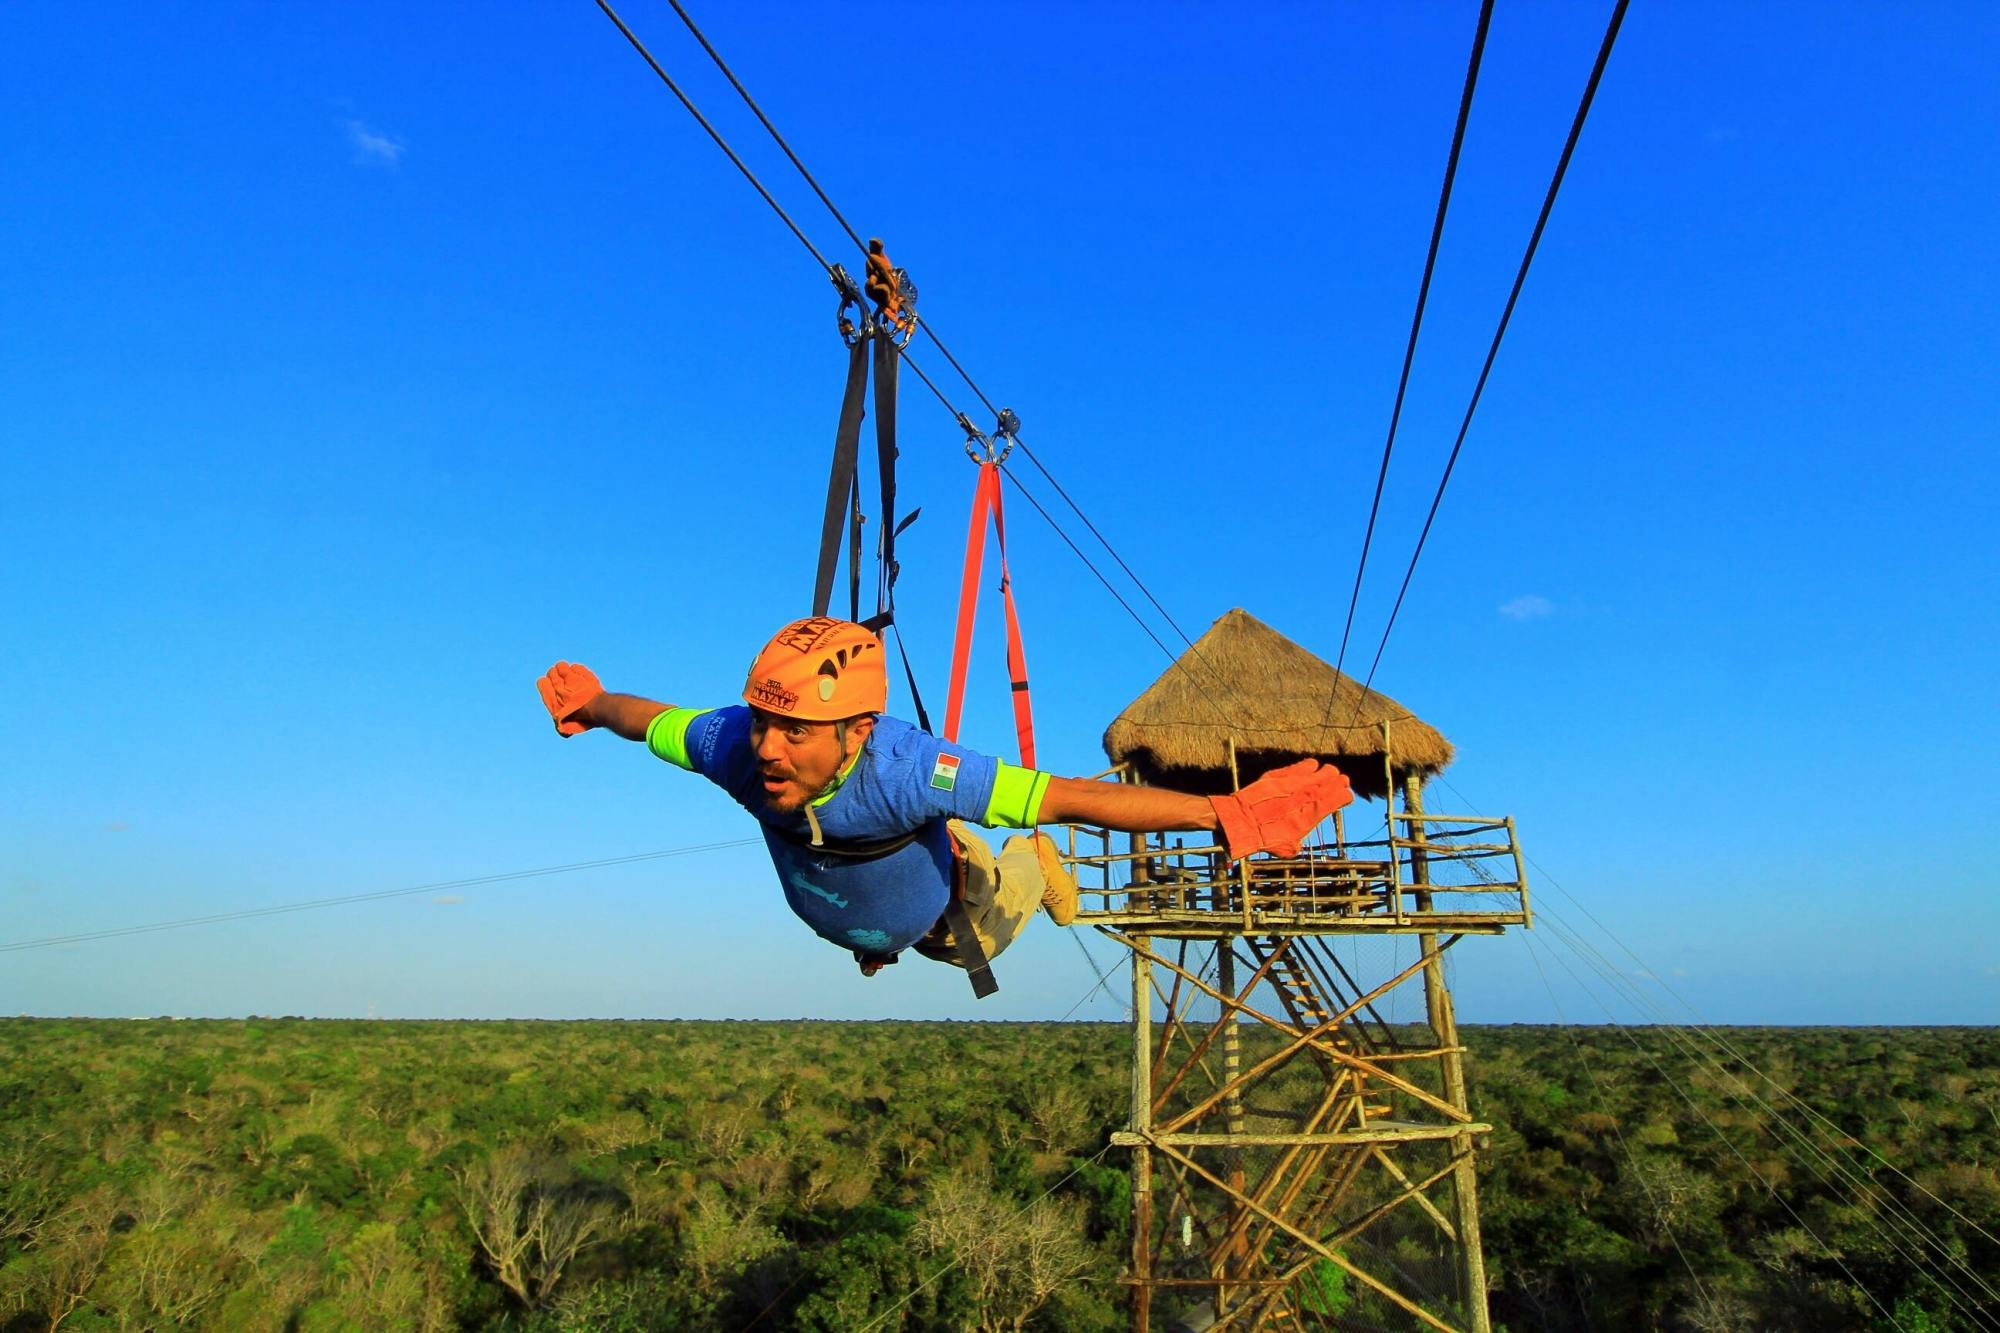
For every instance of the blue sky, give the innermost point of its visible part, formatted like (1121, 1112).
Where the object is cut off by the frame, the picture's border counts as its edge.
(358, 361)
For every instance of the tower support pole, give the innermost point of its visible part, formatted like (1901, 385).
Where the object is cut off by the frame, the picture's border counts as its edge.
(1444, 1027)
(1142, 1126)
(1231, 1259)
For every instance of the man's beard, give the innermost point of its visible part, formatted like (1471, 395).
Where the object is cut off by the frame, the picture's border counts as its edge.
(788, 800)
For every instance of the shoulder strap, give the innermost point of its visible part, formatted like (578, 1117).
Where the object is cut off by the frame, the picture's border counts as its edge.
(841, 492)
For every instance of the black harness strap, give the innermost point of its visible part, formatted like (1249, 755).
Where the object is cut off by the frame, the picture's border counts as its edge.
(965, 947)
(841, 494)
(854, 540)
(916, 695)
(888, 363)
(887, 358)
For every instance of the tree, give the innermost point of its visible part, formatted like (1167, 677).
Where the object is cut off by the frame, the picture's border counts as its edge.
(1013, 1258)
(54, 1277)
(532, 1215)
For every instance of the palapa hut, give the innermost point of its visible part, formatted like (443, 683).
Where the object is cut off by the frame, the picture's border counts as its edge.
(1245, 681)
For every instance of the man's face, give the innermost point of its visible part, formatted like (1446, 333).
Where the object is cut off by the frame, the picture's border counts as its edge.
(797, 759)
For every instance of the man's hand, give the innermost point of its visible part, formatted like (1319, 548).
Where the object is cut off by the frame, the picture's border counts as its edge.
(567, 689)
(1274, 813)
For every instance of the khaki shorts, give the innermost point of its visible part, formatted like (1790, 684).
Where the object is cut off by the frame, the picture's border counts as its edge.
(1001, 893)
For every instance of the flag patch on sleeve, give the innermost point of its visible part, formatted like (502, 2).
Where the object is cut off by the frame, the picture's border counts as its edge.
(944, 776)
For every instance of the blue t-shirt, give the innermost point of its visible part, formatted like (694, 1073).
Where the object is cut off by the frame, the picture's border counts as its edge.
(905, 780)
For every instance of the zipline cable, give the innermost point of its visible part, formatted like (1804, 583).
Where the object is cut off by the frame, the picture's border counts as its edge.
(1608, 969)
(1631, 1158)
(1726, 1142)
(1026, 494)
(378, 895)
(1707, 1030)
(751, 102)
(1897, 1243)
(1416, 325)
(1905, 1233)
(1907, 1237)
(812, 181)
(1506, 316)
(713, 133)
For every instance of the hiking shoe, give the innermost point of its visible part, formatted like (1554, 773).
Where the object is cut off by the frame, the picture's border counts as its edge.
(1058, 888)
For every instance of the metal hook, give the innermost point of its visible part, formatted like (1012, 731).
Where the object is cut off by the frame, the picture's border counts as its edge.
(984, 452)
(852, 331)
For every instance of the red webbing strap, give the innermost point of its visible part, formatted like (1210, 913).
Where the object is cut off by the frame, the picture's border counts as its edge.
(968, 602)
(1017, 658)
(985, 500)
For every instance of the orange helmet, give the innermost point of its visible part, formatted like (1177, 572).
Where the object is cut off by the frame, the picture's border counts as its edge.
(820, 670)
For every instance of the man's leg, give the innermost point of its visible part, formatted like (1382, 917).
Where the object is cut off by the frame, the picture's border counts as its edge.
(1054, 887)
(1001, 894)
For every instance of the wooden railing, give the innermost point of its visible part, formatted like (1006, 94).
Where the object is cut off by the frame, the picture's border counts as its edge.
(1420, 872)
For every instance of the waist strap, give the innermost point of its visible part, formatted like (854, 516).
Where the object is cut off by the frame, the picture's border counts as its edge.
(853, 849)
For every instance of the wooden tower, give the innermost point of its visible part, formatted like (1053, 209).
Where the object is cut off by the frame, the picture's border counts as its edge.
(1301, 1159)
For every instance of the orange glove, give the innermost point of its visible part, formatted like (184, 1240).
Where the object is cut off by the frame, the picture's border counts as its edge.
(1274, 813)
(566, 688)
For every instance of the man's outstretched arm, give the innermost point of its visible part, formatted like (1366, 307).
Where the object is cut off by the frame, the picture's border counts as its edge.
(626, 715)
(1117, 805)
(1272, 814)
(578, 702)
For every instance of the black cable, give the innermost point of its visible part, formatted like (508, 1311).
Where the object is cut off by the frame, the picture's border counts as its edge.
(1029, 496)
(720, 142)
(751, 102)
(1507, 314)
(1137, 582)
(922, 323)
(376, 896)
(1416, 324)
(1075, 508)
(926, 379)
(1103, 541)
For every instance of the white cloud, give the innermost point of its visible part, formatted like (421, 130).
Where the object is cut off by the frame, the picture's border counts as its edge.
(1528, 606)
(116, 826)
(1993, 971)
(372, 147)
(449, 899)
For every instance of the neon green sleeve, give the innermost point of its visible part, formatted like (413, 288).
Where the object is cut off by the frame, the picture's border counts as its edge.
(1017, 798)
(666, 735)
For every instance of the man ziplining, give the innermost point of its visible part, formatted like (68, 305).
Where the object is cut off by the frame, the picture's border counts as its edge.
(866, 815)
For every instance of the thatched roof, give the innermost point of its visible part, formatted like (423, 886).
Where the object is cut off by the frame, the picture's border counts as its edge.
(1245, 680)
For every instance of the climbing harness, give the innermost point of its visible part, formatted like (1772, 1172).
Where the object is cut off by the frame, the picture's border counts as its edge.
(875, 319)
